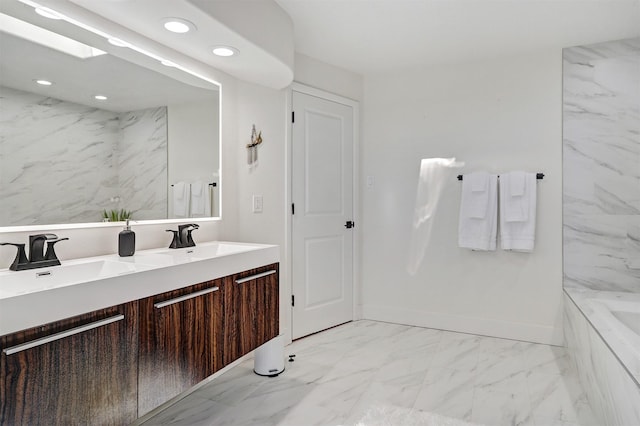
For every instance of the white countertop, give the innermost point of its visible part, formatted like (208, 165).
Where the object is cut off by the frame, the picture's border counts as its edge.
(39, 296)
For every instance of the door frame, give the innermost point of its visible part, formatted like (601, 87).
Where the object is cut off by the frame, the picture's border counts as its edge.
(355, 105)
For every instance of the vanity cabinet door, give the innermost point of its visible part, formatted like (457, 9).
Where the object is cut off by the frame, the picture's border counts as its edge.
(76, 371)
(177, 342)
(228, 327)
(257, 301)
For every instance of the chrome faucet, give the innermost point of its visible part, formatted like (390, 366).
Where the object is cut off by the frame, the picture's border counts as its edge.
(182, 237)
(38, 258)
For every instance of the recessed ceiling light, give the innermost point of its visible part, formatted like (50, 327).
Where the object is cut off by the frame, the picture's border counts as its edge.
(48, 13)
(101, 97)
(44, 82)
(178, 25)
(225, 51)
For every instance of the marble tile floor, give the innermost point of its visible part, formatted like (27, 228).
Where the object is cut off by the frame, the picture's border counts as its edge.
(369, 373)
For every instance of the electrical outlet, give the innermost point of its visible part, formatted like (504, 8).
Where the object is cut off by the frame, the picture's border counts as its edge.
(257, 203)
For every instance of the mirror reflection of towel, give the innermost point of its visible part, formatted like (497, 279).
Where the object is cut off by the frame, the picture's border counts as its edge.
(200, 199)
(180, 199)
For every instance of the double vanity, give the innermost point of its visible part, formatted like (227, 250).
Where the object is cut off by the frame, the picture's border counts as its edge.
(105, 340)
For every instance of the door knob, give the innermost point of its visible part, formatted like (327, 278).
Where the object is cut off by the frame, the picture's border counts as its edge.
(350, 224)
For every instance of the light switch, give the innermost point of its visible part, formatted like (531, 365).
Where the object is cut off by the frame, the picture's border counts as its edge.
(257, 203)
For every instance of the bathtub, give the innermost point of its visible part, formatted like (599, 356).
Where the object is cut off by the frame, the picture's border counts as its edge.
(601, 331)
(616, 318)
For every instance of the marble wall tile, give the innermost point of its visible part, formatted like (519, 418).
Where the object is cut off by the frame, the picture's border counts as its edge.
(601, 165)
(35, 129)
(599, 251)
(62, 162)
(142, 163)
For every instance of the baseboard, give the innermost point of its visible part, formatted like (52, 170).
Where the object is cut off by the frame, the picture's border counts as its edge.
(473, 325)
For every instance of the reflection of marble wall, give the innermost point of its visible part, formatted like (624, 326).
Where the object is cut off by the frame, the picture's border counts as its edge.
(612, 393)
(601, 166)
(60, 161)
(35, 130)
(142, 163)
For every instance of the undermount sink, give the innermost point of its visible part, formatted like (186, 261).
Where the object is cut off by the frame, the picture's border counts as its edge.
(147, 259)
(73, 272)
(208, 251)
(12, 283)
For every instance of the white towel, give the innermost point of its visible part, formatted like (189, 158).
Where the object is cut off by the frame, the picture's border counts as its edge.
(477, 228)
(517, 183)
(200, 199)
(518, 213)
(512, 192)
(475, 188)
(180, 199)
(435, 175)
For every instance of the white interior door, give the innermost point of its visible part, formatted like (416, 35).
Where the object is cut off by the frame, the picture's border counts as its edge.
(322, 195)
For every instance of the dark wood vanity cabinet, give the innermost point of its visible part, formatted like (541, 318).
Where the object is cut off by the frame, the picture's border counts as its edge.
(251, 311)
(77, 371)
(178, 342)
(256, 301)
(114, 365)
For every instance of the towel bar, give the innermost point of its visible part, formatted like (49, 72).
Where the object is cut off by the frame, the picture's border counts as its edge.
(211, 184)
(539, 176)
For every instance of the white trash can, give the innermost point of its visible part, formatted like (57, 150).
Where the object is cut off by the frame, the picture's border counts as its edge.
(269, 358)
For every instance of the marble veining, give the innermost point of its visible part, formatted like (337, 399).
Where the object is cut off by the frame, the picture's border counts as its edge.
(142, 163)
(612, 393)
(601, 165)
(32, 134)
(374, 373)
(621, 341)
(62, 162)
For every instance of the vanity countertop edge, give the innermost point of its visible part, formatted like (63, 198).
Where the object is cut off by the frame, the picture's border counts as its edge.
(36, 308)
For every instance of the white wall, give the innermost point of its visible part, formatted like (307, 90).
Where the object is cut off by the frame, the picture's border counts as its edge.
(266, 109)
(327, 77)
(496, 115)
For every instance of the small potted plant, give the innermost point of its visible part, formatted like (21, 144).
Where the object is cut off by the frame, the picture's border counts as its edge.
(116, 215)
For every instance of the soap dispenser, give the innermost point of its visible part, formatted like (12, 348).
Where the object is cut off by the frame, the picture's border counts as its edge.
(126, 241)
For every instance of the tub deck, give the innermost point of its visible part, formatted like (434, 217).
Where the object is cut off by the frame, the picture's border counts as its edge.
(616, 318)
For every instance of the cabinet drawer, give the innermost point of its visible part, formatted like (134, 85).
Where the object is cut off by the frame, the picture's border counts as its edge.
(71, 371)
(252, 310)
(177, 342)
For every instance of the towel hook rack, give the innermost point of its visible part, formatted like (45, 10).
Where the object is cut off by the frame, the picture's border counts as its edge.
(539, 176)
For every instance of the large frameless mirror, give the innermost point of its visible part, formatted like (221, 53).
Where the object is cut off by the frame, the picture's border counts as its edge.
(92, 132)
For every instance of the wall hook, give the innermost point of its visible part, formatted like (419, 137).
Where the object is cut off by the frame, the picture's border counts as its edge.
(256, 139)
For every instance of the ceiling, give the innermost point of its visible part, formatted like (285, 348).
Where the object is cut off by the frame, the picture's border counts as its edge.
(374, 36)
(147, 84)
(213, 20)
(367, 36)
